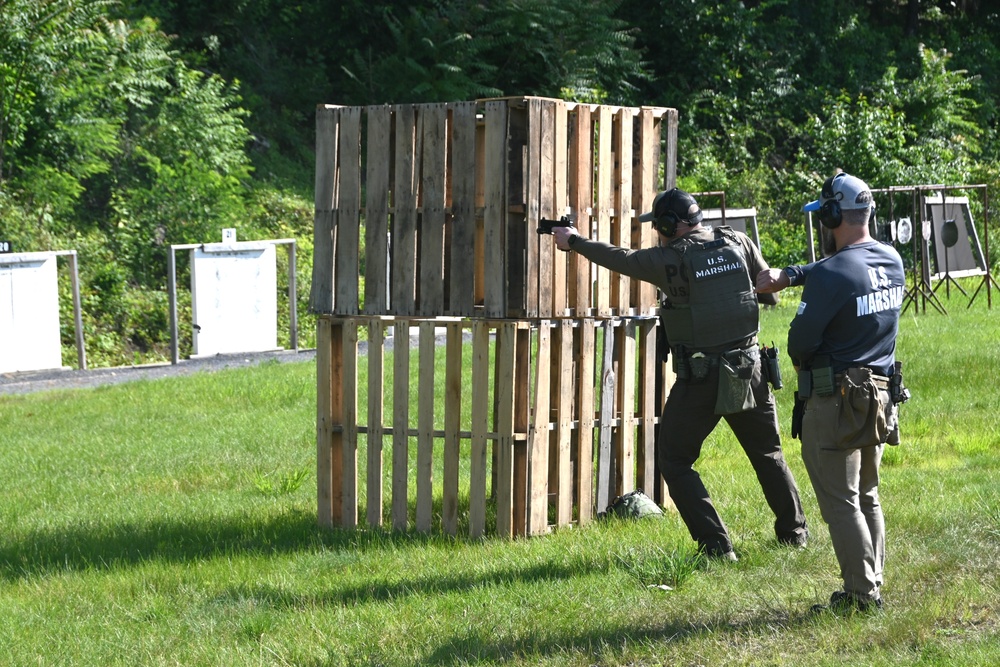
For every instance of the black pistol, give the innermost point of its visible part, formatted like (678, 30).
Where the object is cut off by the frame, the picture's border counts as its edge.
(546, 226)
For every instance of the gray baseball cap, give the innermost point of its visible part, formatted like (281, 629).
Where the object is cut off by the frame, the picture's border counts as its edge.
(849, 191)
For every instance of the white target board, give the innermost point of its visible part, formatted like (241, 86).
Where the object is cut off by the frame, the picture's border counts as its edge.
(741, 219)
(964, 257)
(29, 312)
(234, 299)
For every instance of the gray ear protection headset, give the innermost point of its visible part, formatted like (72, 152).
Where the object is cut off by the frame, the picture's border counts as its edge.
(830, 215)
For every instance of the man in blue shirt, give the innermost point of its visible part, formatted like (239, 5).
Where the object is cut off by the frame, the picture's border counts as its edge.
(843, 343)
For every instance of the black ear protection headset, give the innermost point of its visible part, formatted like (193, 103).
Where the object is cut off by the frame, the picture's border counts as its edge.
(668, 221)
(829, 213)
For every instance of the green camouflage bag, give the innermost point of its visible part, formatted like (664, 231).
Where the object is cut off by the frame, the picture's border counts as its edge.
(634, 505)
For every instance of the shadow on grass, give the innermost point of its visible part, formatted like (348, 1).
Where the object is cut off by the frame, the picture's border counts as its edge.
(383, 588)
(106, 546)
(599, 642)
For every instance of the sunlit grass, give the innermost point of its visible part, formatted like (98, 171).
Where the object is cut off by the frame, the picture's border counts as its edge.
(173, 522)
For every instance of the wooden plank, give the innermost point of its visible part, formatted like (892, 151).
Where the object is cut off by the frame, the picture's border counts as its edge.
(560, 203)
(625, 434)
(522, 381)
(602, 215)
(670, 141)
(646, 449)
(645, 173)
(377, 170)
(518, 177)
(425, 428)
(326, 157)
(349, 421)
(462, 269)
(616, 234)
(376, 427)
(452, 425)
(346, 268)
(538, 436)
(430, 284)
(584, 471)
(622, 220)
(480, 247)
(480, 417)
(605, 453)
(546, 249)
(504, 392)
(495, 212)
(532, 177)
(400, 423)
(336, 417)
(321, 293)
(665, 378)
(581, 194)
(564, 390)
(404, 213)
(324, 422)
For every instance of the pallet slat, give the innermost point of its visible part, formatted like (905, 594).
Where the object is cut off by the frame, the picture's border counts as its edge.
(325, 461)
(646, 449)
(495, 211)
(464, 158)
(404, 212)
(622, 219)
(425, 428)
(564, 390)
(538, 437)
(377, 210)
(581, 194)
(584, 470)
(452, 426)
(505, 428)
(376, 427)
(480, 420)
(400, 418)
(349, 420)
(348, 222)
(430, 282)
(625, 446)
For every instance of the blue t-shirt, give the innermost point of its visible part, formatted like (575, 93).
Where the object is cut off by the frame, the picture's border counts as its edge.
(850, 309)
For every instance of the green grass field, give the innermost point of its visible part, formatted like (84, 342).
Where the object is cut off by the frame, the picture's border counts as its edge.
(173, 522)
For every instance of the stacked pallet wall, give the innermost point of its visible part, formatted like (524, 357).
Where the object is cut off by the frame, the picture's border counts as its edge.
(449, 196)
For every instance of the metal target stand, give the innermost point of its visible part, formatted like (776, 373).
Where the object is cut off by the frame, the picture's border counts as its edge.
(920, 292)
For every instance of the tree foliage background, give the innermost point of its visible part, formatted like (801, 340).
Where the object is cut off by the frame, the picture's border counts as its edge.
(127, 126)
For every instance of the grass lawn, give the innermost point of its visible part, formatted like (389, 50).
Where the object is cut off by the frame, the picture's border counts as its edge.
(173, 522)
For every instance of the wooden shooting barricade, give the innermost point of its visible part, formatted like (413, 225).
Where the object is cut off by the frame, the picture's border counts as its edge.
(552, 384)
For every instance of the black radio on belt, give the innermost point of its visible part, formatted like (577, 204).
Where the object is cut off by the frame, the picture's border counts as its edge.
(769, 365)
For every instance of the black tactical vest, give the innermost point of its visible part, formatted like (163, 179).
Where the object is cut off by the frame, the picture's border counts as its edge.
(722, 306)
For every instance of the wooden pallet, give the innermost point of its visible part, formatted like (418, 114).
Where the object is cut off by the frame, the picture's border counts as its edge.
(548, 421)
(448, 197)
